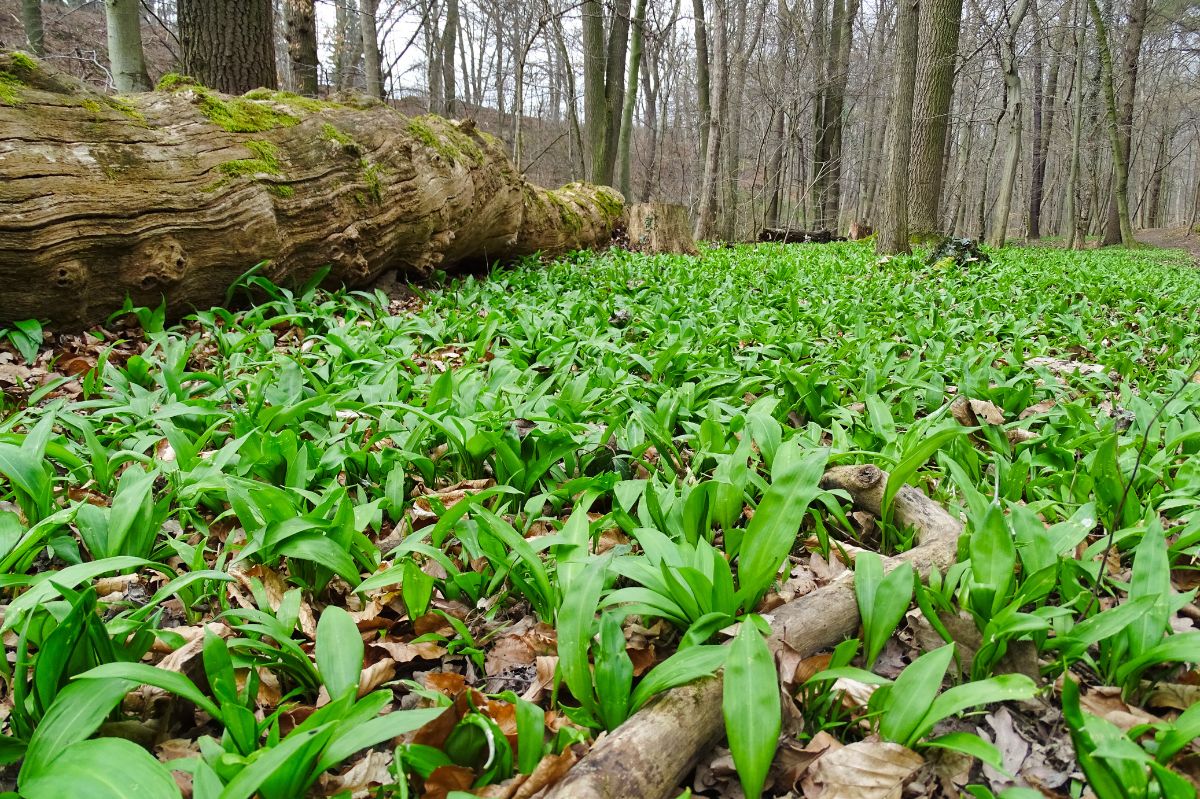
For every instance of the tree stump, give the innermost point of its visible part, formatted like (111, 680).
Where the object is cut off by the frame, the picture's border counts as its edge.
(659, 228)
(173, 194)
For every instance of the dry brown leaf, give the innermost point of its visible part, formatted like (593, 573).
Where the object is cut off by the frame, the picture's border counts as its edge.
(1174, 695)
(545, 666)
(404, 652)
(549, 771)
(447, 682)
(863, 770)
(376, 675)
(445, 779)
(1105, 701)
(362, 779)
(106, 586)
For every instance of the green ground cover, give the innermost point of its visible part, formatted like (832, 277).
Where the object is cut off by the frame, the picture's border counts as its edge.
(374, 503)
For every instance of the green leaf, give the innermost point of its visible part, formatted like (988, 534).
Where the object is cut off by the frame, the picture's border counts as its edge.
(771, 534)
(339, 650)
(1002, 688)
(78, 711)
(282, 758)
(930, 443)
(47, 590)
(374, 732)
(912, 694)
(145, 674)
(576, 622)
(682, 667)
(751, 707)
(969, 744)
(110, 768)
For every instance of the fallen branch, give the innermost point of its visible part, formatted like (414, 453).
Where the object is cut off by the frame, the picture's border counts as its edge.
(658, 746)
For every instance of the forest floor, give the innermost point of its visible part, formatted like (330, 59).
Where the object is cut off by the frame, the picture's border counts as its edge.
(1181, 238)
(367, 545)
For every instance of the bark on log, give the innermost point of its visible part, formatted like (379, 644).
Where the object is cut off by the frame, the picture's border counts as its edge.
(175, 193)
(648, 755)
(659, 228)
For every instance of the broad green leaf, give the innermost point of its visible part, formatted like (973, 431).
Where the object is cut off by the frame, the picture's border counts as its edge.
(912, 695)
(145, 674)
(79, 710)
(339, 650)
(110, 768)
(682, 667)
(751, 707)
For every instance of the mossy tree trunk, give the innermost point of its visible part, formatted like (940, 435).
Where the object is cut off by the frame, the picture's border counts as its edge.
(174, 194)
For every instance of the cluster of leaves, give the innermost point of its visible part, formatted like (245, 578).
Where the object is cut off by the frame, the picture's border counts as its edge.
(613, 447)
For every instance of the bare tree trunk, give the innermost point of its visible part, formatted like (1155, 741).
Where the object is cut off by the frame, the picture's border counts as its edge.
(368, 9)
(1150, 214)
(706, 211)
(892, 237)
(1114, 230)
(1074, 235)
(703, 79)
(1120, 192)
(449, 42)
(347, 44)
(604, 84)
(827, 162)
(31, 21)
(1044, 121)
(937, 52)
(774, 168)
(301, 25)
(1015, 112)
(124, 23)
(228, 45)
(572, 95)
(624, 143)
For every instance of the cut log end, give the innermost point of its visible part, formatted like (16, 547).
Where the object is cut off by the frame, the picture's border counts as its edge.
(658, 228)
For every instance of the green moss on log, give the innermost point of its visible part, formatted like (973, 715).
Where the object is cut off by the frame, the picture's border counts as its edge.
(10, 89)
(237, 114)
(371, 174)
(341, 138)
(265, 162)
(447, 140)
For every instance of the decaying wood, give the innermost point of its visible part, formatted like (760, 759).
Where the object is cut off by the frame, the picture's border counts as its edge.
(659, 228)
(791, 235)
(176, 193)
(649, 754)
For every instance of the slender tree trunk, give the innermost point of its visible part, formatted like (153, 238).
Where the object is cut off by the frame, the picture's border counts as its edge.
(572, 95)
(124, 23)
(604, 85)
(706, 212)
(31, 20)
(449, 42)
(347, 44)
(1154, 192)
(1120, 165)
(892, 237)
(228, 45)
(703, 88)
(737, 65)
(301, 25)
(1074, 236)
(938, 50)
(372, 62)
(624, 144)
(1114, 233)
(1015, 112)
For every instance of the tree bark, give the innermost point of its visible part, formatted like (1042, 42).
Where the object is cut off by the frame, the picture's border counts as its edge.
(347, 44)
(31, 21)
(604, 84)
(1046, 105)
(827, 164)
(1120, 190)
(648, 755)
(1074, 235)
(301, 32)
(707, 209)
(228, 44)
(703, 88)
(937, 51)
(372, 62)
(1014, 110)
(1115, 227)
(155, 198)
(892, 237)
(625, 142)
(449, 42)
(124, 23)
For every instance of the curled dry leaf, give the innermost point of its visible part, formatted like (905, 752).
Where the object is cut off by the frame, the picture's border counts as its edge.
(863, 770)
(360, 780)
(1105, 701)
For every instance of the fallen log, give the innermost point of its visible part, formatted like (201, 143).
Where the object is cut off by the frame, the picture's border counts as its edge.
(790, 235)
(175, 193)
(648, 755)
